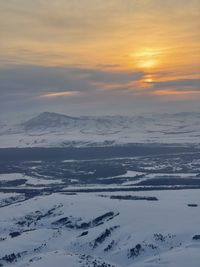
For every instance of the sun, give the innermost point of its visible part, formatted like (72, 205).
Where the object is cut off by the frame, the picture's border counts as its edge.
(147, 58)
(147, 64)
(148, 80)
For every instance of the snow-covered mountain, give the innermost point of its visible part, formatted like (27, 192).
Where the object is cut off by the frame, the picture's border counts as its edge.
(49, 120)
(53, 129)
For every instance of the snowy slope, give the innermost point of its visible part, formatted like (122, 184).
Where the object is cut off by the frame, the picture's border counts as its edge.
(52, 129)
(10, 198)
(66, 230)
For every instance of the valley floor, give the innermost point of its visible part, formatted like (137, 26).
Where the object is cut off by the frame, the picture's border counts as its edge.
(123, 206)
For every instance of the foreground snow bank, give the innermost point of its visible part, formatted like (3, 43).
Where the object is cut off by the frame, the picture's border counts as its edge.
(93, 230)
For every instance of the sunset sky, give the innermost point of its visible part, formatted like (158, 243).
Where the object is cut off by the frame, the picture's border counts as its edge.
(99, 56)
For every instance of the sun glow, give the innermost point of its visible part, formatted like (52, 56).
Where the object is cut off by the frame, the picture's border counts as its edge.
(149, 79)
(148, 58)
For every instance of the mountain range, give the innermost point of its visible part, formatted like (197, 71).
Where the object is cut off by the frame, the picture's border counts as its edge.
(54, 129)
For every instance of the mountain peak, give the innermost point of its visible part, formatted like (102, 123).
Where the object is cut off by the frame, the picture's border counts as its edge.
(48, 114)
(48, 120)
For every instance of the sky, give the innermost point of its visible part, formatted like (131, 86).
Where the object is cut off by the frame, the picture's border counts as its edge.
(97, 57)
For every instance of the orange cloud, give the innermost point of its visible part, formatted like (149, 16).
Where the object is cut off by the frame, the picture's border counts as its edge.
(174, 92)
(60, 94)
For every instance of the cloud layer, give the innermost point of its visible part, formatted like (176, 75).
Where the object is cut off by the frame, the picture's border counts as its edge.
(99, 56)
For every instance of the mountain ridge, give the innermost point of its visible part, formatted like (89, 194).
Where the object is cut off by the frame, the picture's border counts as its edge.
(55, 129)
